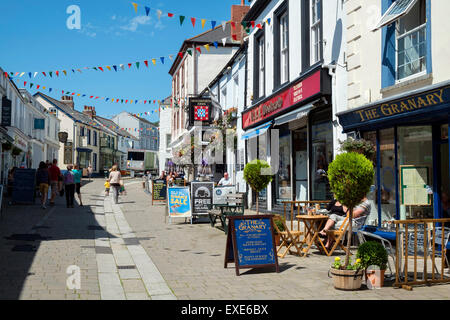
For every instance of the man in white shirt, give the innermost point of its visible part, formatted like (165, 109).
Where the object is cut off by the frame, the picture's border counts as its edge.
(225, 181)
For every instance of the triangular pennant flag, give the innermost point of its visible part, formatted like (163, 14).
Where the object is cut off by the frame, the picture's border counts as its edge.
(253, 23)
(170, 15)
(50, 89)
(57, 73)
(50, 73)
(24, 73)
(233, 24)
(122, 67)
(129, 65)
(213, 24)
(234, 36)
(203, 23)
(24, 83)
(181, 20)
(115, 68)
(224, 41)
(65, 73)
(31, 85)
(137, 64)
(171, 57)
(206, 46)
(216, 44)
(193, 22)
(224, 25)
(159, 12)
(268, 21)
(180, 54)
(135, 5)
(35, 74)
(101, 69)
(79, 70)
(43, 74)
(189, 51)
(259, 26)
(147, 10)
(107, 99)
(108, 67)
(154, 61)
(95, 68)
(244, 24)
(146, 63)
(37, 87)
(198, 49)
(29, 74)
(162, 60)
(43, 88)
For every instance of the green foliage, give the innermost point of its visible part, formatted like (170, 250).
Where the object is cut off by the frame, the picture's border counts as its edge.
(361, 146)
(351, 266)
(372, 253)
(255, 174)
(279, 223)
(16, 151)
(350, 175)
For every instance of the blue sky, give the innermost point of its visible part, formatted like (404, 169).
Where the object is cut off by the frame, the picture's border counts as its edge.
(35, 38)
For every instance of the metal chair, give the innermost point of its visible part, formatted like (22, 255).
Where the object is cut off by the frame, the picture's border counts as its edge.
(386, 244)
(438, 251)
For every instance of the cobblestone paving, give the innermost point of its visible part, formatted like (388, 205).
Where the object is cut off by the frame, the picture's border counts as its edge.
(129, 251)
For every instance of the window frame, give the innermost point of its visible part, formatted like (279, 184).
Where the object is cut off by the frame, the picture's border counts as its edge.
(281, 13)
(318, 26)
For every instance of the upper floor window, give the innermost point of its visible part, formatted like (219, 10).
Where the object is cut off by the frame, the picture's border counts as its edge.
(260, 58)
(89, 136)
(412, 42)
(315, 14)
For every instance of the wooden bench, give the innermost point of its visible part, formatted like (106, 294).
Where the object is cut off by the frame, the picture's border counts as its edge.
(234, 207)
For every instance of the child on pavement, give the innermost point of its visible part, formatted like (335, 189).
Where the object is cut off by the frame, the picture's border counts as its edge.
(107, 186)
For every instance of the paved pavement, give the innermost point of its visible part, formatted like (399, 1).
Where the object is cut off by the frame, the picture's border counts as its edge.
(129, 251)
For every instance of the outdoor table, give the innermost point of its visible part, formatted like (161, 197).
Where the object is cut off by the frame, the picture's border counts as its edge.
(223, 206)
(313, 225)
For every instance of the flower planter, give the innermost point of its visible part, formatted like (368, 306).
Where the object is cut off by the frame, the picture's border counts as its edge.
(347, 279)
(375, 278)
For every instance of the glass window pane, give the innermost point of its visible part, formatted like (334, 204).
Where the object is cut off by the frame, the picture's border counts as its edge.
(283, 177)
(372, 196)
(387, 174)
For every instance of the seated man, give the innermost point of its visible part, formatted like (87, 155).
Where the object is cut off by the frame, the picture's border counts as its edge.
(360, 213)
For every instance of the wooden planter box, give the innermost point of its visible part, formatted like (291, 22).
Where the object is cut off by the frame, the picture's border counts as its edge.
(347, 279)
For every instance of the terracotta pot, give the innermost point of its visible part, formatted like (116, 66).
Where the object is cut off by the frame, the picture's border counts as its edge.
(375, 278)
(347, 279)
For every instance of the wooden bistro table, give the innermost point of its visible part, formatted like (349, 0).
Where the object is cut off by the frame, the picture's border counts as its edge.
(313, 225)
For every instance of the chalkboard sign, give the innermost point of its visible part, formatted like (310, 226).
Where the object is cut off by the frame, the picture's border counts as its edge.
(159, 190)
(202, 196)
(24, 186)
(179, 182)
(6, 112)
(251, 242)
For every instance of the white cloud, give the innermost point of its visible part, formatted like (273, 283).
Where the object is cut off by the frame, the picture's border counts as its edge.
(135, 22)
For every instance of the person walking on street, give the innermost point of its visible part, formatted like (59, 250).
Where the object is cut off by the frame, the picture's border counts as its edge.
(77, 175)
(69, 184)
(43, 181)
(114, 180)
(55, 175)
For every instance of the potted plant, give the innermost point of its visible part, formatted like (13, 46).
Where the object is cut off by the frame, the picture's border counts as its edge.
(258, 174)
(361, 146)
(347, 277)
(350, 175)
(280, 227)
(373, 254)
(16, 151)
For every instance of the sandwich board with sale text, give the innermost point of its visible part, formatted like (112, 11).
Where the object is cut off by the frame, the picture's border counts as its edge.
(179, 203)
(251, 242)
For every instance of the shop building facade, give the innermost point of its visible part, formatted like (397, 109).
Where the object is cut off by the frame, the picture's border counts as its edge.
(296, 84)
(402, 104)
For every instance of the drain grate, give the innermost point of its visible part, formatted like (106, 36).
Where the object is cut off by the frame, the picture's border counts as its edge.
(24, 248)
(26, 237)
(126, 267)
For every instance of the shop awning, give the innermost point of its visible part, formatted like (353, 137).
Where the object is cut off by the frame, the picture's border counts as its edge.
(256, 131)
(297, 114)
(397, 10)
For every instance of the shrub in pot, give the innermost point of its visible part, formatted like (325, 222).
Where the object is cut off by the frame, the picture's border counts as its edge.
(258, 174)
(351, 175)
(373, 253)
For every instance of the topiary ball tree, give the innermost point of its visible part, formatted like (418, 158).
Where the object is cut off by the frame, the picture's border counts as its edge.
(350, 175)
(372, 253)
(258, 175)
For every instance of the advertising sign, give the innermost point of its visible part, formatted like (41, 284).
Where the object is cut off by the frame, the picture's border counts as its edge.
(251, 242)
(296, 93)
(6, 112)
(159, 190)
(179, 202)
(202, 196)
(220, 194)
(24, 186)
(199, 110)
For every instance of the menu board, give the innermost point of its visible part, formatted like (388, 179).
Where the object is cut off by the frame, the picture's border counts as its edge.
(24, 186)
(251, 243)
(414, 185)
(202, 196)
(179, 182)
(159, 192)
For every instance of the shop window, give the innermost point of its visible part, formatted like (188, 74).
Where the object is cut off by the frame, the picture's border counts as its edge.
(415, 163)
(387, 175)
(321, 155)
(372, 219)
(283, 176)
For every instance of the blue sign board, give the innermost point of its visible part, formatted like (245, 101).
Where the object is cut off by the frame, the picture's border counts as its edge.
(179, 202)
(251, 243)
(24, 186)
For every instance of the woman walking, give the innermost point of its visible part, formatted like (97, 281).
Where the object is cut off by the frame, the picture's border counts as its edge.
(69, 184)
(114, 180)
(77, 174)
(43, 181)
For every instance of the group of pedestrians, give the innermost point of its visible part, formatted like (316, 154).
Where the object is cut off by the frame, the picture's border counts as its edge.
(69, 183)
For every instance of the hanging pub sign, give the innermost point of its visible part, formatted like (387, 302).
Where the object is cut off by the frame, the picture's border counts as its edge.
(159, 190)
(251, 242)
(202, 196)
(299, 91)
(200, 110)
(6, 112)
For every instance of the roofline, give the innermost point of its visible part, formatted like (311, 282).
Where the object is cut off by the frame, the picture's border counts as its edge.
(256, 10)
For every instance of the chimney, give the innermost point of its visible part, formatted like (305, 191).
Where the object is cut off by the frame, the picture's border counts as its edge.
(89, 111)
(237, 14)
(68, 100)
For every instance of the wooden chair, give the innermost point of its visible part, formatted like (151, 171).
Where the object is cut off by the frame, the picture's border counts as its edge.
(337, 236)
(289, 239)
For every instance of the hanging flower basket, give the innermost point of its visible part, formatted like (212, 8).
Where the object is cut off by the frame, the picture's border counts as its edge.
(16, 151)
(6, 146)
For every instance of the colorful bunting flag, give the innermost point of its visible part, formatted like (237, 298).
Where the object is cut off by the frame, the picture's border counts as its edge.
(135, 5)
(181, 20)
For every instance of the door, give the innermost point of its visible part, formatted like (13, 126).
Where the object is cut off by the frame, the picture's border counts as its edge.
(300, 144)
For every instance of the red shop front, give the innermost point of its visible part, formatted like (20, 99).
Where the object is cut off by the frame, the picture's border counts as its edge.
(292, 130)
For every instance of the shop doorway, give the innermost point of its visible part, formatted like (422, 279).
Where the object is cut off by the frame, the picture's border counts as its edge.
(300, 146)
(444, 174)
